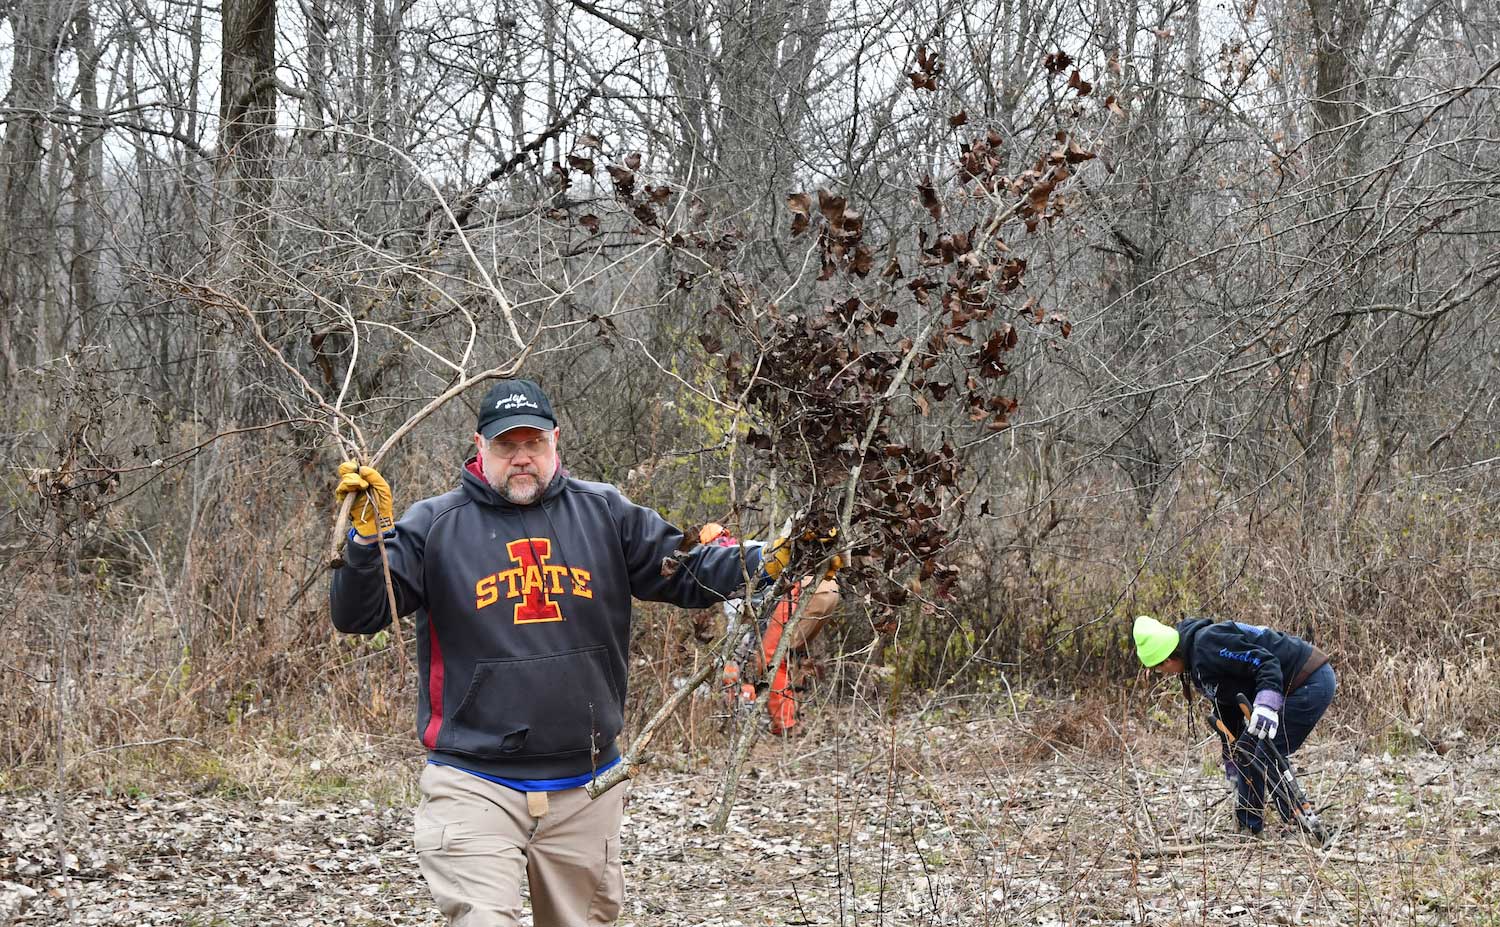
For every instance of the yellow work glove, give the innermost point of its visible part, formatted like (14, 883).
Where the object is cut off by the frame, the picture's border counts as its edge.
(838, 562)
(775, 556)
(778, 554)
(371, 511)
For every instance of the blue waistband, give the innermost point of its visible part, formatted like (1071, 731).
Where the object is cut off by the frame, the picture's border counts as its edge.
(537, 785)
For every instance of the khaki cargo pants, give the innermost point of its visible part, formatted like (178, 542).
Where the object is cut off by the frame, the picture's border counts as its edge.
(475, 840)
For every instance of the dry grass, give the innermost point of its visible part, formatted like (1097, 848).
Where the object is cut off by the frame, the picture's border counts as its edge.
(216, 641)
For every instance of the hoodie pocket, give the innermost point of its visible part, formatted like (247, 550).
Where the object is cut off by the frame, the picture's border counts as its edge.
(536, 706)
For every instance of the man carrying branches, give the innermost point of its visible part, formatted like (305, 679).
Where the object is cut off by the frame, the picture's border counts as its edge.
(521, 580)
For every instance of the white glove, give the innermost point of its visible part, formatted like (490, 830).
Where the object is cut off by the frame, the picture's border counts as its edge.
(1263, 722)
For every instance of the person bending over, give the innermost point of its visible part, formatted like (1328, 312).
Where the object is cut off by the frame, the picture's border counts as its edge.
(1288, 681)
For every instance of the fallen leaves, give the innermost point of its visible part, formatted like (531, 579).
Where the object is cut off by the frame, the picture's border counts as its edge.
(963, 817)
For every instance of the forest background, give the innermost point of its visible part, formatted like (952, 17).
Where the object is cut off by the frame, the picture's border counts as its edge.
(1154, 307)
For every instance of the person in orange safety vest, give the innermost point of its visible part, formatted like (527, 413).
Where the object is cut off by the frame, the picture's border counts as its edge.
(785, 682)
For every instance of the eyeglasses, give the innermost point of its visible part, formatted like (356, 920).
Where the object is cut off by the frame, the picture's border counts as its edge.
(508, 449)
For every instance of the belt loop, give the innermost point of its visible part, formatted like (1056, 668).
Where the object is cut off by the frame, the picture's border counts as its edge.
(536, 804)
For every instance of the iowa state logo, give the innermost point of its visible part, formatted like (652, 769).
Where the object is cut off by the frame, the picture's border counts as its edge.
(532, 583)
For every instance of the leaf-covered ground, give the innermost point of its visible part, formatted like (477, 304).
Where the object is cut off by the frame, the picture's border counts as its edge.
(1059, 816)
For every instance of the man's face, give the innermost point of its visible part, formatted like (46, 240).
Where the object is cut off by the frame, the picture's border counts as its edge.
(519, 463)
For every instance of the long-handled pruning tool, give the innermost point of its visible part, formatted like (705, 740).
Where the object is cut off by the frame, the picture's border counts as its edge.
(1273, 765)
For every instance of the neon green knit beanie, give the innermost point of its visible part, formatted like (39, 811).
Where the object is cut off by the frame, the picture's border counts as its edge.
(1154, 641)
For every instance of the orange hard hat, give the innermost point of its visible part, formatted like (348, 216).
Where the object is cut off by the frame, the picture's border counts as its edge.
(710, 532)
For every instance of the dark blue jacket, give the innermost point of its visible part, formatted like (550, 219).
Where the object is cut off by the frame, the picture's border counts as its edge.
(1228, 659)
(523, 616)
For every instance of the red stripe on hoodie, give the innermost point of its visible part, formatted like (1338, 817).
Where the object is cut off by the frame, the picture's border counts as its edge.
(434, 687)
(435, 660)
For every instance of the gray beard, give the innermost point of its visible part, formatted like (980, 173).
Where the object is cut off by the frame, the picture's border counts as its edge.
(515, 498)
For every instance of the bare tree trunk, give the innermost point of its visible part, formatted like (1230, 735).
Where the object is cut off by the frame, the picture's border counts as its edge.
(195, 49)
(315, 18)
(247, 113)
(87, 168)
(1338, 27)
(25, 224)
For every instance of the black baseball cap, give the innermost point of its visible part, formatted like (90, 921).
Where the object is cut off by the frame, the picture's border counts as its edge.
(514, 404)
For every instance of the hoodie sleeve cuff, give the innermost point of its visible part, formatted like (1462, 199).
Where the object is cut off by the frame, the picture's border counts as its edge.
(757, 551)
(357, 553)
(1270, 698)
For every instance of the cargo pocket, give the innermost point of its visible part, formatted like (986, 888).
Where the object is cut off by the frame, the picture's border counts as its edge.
(469, 872)
(609, 897)
(430, 839)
